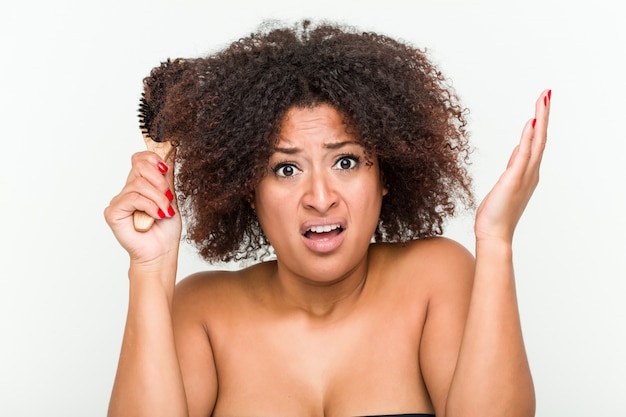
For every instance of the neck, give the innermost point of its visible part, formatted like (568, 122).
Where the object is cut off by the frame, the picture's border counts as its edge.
(318, 296)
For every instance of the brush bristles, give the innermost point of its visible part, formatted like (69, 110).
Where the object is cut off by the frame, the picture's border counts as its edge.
(153, 98)
(146, 117)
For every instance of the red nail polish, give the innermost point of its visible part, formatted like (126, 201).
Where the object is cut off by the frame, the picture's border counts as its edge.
(534, 123)
(162, 167)
(549, 94)
(170, 211)
(545, 100)
(169, 195)
(161, 214)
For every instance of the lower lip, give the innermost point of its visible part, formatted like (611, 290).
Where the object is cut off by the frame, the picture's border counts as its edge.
(325, 245)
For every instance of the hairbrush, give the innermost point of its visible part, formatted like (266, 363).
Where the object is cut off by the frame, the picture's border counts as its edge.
(153, 133)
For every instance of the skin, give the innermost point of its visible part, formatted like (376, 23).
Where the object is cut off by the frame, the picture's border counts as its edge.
(335, 326)
(308, 186)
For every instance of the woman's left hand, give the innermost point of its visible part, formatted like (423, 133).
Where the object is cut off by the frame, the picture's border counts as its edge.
(502, 207)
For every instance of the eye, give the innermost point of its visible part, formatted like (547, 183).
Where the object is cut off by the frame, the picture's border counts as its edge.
(285, 170)
(347, 162)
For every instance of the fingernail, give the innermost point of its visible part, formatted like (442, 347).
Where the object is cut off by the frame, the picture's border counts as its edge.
(161, 214)
(545, 100)
(170, 211)
(169, 195)
(534, 123)
(162, 167)
(549, 94)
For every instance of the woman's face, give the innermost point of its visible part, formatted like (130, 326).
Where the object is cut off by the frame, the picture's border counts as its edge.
(320, 201)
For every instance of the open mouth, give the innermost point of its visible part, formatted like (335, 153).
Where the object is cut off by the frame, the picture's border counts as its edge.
(323, 232)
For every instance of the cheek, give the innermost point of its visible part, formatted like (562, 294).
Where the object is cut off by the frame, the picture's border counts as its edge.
(367, 202)
(272, 207)
(374, 185)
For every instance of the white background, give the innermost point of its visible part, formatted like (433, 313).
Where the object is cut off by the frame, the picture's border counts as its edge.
(70, 79)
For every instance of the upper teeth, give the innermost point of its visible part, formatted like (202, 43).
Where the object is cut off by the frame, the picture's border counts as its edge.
(326, 228)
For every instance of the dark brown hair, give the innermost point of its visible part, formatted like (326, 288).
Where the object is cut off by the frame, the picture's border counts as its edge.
(224, 111)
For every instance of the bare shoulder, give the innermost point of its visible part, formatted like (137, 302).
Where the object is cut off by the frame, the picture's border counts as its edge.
(447, 273)
(204, 305)
(435, 263)
(436, 247)
(202, 284)
(437, 251)
(219, 289)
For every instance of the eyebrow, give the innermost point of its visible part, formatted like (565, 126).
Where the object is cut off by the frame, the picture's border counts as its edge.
(333, 145)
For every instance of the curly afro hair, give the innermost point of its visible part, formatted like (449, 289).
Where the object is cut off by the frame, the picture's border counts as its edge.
(223, 113)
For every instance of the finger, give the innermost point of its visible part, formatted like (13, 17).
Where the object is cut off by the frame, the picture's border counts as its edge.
(169, 174)
(130, 201)
(161, 200)
(140, 195)
(149, 165)
(540, 134)
(522, 153)
(512, 157)
(122, 207)
(159, 172)
(542, 107)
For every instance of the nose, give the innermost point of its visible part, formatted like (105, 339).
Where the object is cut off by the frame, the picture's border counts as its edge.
(321, 194)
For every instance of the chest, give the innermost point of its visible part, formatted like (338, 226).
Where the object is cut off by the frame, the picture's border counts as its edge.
(294, 366)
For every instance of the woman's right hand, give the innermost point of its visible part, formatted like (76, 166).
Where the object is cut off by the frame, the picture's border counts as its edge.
(149, 188)
(148, 380)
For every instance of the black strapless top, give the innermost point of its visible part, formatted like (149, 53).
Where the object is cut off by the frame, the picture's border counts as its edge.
(404, 415)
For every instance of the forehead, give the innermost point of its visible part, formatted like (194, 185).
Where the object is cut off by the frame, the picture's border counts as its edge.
(322, 122)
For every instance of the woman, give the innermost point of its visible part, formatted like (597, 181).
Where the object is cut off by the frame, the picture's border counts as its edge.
(341, 153)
